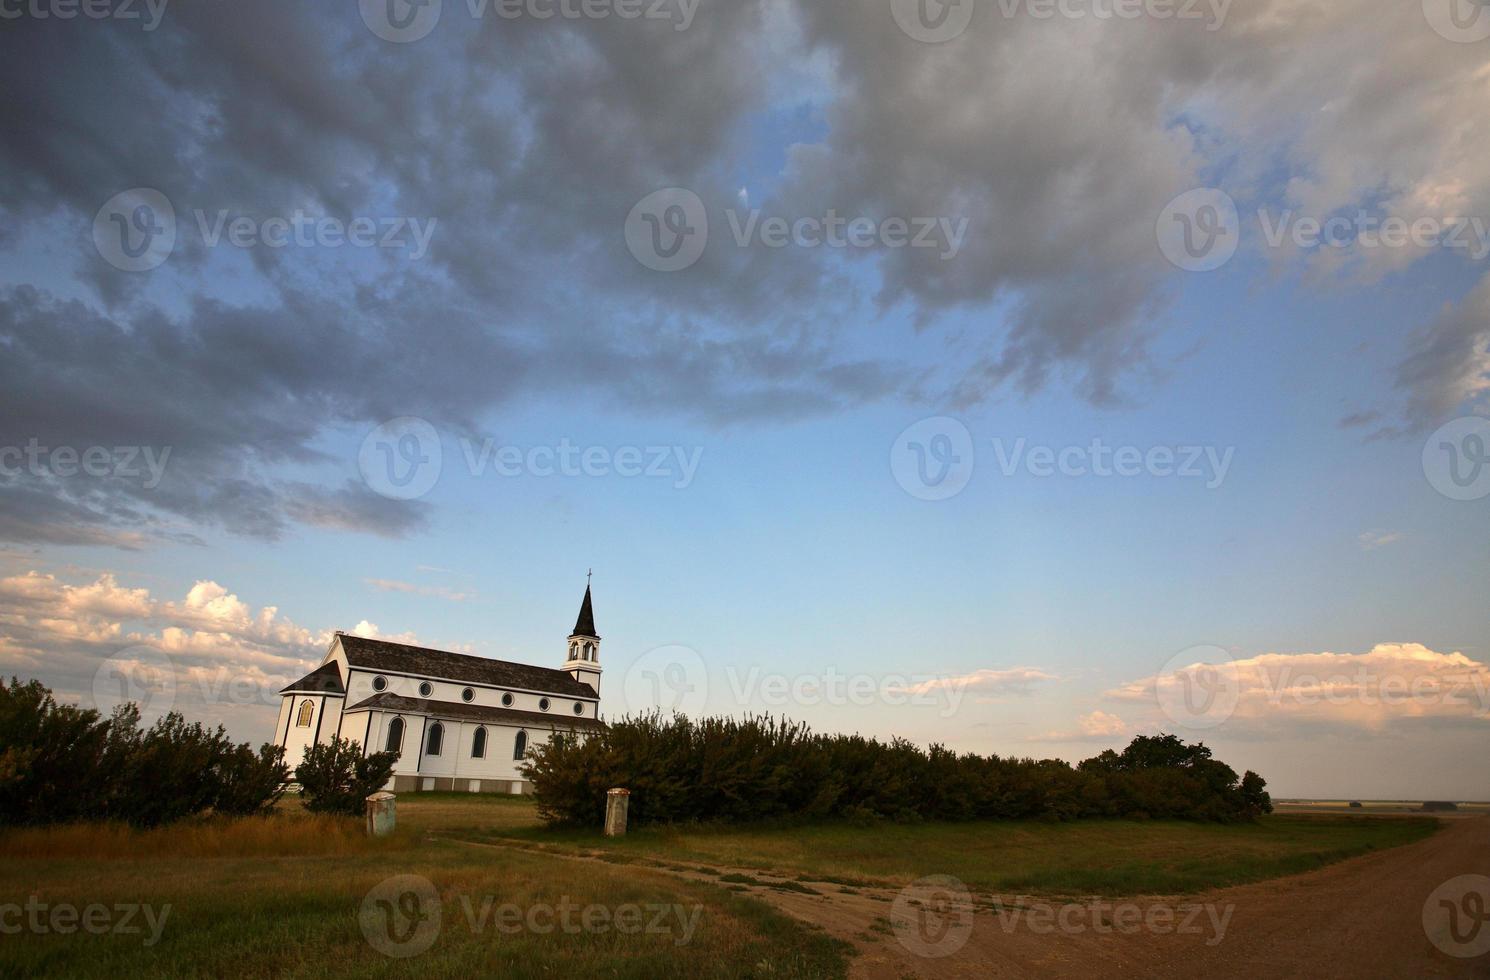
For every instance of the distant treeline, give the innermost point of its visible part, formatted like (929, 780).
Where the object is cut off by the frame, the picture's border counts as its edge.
(61, 763)
(762, 768)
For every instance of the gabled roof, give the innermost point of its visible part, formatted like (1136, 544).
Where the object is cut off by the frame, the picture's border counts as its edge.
(400, 658)
(585, 624)
(490, 714)
(325, 679)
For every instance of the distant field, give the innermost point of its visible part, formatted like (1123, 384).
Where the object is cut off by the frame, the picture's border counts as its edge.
(1367, 807)
(1119, 857)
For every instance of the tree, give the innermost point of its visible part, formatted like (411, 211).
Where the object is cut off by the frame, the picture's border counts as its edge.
(250, 784)
(1255, 795)
(336, 778)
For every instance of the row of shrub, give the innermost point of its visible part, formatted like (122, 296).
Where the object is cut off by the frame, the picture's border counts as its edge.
(62, 763)
(763, 768)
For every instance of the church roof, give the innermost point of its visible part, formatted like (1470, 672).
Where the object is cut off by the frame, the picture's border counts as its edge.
(325, 679)
(401, 658)
(489, 714)
(585, 624)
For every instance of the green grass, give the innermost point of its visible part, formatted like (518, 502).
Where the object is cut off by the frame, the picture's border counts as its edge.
(296, 913)
(1097, 857)
(281, 896)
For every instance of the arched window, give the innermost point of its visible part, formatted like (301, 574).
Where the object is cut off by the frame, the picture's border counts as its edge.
(436, 738)
(307, 712)
(589, 651)
(520, 750)
(395, 741)
(478, 744)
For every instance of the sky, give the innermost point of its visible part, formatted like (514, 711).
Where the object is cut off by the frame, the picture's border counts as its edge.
(1013, 376)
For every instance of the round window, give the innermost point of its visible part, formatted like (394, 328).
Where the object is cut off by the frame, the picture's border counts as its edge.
(506, 700)
(579, 708)
(543, 704)
(426, 689)
(468, 695)
(380, 683)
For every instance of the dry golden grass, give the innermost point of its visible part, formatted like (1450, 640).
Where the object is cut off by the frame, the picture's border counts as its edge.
(281, 834)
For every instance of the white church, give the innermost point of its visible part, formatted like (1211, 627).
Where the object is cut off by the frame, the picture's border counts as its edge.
(458, 722)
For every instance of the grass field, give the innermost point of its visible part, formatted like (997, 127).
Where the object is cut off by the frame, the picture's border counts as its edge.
(294, 895)
(1118, 857)
(291, 907)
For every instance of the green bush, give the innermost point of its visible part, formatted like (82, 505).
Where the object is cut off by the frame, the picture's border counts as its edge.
(62, 763)
(336, 778)
(762, 768)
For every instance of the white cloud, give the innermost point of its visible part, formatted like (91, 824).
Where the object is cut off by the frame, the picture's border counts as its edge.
(229, 659)
(1371, 540)
(410, 588)
(1098, 726)
(1283, 695)
(1013, 680)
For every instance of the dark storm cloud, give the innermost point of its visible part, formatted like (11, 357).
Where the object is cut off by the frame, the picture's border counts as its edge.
(527, 142)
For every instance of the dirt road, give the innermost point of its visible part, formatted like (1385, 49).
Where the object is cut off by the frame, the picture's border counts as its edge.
(1359, 918)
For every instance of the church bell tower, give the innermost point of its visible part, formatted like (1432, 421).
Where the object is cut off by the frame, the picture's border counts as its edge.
(583, 663)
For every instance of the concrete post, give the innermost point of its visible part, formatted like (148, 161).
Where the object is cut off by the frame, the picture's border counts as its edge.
(380, 814)
(616, 803)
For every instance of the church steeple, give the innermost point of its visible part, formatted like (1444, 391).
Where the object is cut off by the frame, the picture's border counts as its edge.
(585, 624)
(583, 661)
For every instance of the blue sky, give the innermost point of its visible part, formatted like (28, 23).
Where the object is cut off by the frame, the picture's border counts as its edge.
(788, 374)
